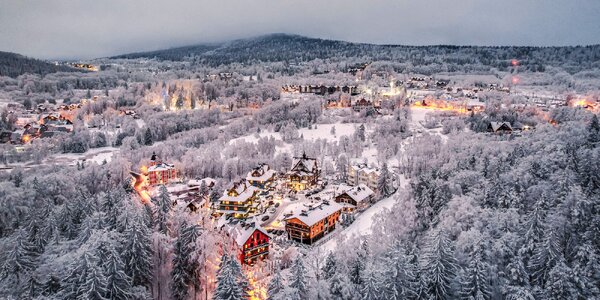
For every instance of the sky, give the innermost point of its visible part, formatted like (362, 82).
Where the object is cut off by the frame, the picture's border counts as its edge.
(84, 29)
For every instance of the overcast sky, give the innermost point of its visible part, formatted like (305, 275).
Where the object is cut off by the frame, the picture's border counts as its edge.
(55, 29)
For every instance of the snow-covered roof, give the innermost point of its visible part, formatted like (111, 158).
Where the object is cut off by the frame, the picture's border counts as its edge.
(304, 163)
(241, 232)
(315, 211)
(243, 191)
(161, 167)
(497, 125)
(359, 193)
(263, 171)
(207, 181)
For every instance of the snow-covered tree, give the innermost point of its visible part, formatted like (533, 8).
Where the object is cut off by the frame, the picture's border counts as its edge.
(384, 182)
(438, 265)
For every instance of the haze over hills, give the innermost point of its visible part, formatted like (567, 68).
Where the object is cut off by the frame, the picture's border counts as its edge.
(295, 48)
(13, 65)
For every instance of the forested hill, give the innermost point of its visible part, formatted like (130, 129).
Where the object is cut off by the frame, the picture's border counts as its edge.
(13, 65)
(294, 48)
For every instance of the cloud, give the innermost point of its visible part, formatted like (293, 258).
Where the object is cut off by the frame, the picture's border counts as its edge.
(88, 28)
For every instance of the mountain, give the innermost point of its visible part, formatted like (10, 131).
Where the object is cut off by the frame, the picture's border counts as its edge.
(268, 48)
(13, 65)
(295, 48)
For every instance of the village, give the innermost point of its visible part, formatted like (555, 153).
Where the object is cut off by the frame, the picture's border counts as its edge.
(266, 207)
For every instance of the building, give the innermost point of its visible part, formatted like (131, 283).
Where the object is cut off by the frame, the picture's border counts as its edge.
(304, 173)
(363, 174)
(239, 200)
(159, 172)
(362, 104)
(500, 127)
(355, 198)
(250, 240)
(261, 177)
(311, 221)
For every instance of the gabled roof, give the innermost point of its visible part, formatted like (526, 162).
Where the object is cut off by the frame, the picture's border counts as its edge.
(500, 125)
(311, 213)
(304, 163)
(359, 193)
(260, 173)
(244, 192)
(242, 232)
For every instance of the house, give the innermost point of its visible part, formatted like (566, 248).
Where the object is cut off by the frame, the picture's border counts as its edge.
(159, 172)
(250, 240)
(311, 221)
(355, 198)
(239, 200)
(361, 173)
(304, 173)
(500, 127)
(5, 136)
(363, 104)
(261, 176)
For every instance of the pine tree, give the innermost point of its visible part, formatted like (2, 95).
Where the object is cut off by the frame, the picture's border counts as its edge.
(384, 187)
(594, 131)
(162, 209)
(438, 265)
(476, 282)
(360, 133)
(228, 287)
(118, 283)
(185, 272)
(86, 279)
(148, 137)
(275, 288)
(298, 280)
(545, 256)
(358, 264)
(370, 288)
(340, 287)
(137, 253)
(19, 260)
(330, 267)
(398, 274)
(561, 283)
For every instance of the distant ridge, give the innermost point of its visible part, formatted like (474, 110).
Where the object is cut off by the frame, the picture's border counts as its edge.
(13, 65)
(290, 48)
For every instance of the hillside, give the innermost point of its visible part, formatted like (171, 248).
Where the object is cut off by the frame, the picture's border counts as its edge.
(13, 65)
(294, 48)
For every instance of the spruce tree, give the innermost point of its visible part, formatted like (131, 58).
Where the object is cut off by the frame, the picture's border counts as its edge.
(330, 267)
(476, 281)
(137, 253)
(298, 281)
(546, 253)
(438, 265)
(228, 287)
(118, 283)
(275, 288)
(148, 137)
(370, 285)
(399, 280)
(20, 259)
(161, 209)
(384, 187)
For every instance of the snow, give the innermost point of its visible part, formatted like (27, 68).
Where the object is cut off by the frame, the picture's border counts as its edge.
(314, 211)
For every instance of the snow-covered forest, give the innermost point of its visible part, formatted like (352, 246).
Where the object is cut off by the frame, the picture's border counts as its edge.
(494, 200)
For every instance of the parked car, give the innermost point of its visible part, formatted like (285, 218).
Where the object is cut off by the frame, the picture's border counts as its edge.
(277, 204)
(264, 218)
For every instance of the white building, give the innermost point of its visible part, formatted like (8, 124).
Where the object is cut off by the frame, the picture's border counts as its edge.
(363, 174)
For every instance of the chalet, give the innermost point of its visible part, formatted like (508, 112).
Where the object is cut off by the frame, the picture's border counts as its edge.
(500, 127)
(304, 173)
(250, 240)
(261, 176)
(311, 221)
(239, 200)
(193, 195)
(362, 104)
(159, 172)
(356, 198)
(362, 174)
